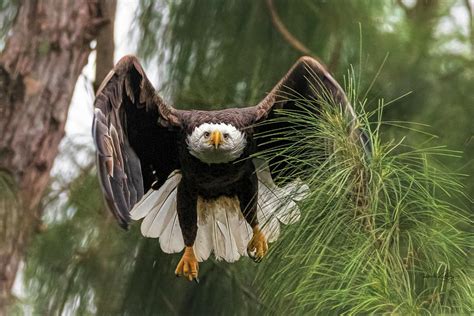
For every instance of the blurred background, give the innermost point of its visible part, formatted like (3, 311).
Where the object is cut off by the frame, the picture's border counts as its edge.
(208, 55)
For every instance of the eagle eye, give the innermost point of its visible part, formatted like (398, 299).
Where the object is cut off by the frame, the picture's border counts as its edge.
(207, 134)
(226, 135)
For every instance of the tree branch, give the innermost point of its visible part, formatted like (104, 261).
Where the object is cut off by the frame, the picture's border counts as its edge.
(294, 42)
(105, 43)
(403, 6)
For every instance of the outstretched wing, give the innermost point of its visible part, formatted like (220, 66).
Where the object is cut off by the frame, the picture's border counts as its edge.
(135, 136)
(306, 80)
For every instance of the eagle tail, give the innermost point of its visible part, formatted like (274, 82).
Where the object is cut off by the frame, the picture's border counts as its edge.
(221, 229)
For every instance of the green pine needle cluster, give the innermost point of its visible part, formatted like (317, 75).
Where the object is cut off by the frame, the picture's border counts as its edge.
(379, 232)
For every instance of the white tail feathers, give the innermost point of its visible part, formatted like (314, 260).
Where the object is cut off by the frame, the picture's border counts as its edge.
(222, 228)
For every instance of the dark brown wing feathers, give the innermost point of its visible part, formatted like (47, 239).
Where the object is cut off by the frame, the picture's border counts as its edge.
(307, 79)
(133, 133)
(240, 118)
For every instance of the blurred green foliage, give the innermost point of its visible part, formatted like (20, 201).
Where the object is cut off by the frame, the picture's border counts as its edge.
(213, 54)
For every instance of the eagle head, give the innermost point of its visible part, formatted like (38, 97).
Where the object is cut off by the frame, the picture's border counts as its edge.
(216, 143)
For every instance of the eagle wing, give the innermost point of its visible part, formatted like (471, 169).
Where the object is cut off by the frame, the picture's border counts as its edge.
(135, 135)
(309, 80)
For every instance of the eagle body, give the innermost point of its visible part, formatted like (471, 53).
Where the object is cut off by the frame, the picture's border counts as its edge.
(234, 179)
(192, 175)
(213, 180)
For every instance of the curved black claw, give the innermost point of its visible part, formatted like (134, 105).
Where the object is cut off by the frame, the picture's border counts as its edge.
(254, 256)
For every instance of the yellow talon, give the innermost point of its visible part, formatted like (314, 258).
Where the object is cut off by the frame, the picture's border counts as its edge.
(188, 265)
(257, 247)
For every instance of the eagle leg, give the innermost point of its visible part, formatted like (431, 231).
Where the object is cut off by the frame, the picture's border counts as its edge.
(188, 265)
(258, 246)
(187, 216)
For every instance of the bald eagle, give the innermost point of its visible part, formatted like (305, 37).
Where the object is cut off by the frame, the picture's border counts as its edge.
(190, 174)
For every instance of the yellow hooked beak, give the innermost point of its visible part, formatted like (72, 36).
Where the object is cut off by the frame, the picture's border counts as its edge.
(216, 139)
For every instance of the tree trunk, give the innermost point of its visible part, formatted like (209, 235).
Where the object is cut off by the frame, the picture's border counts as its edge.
(44, 54)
